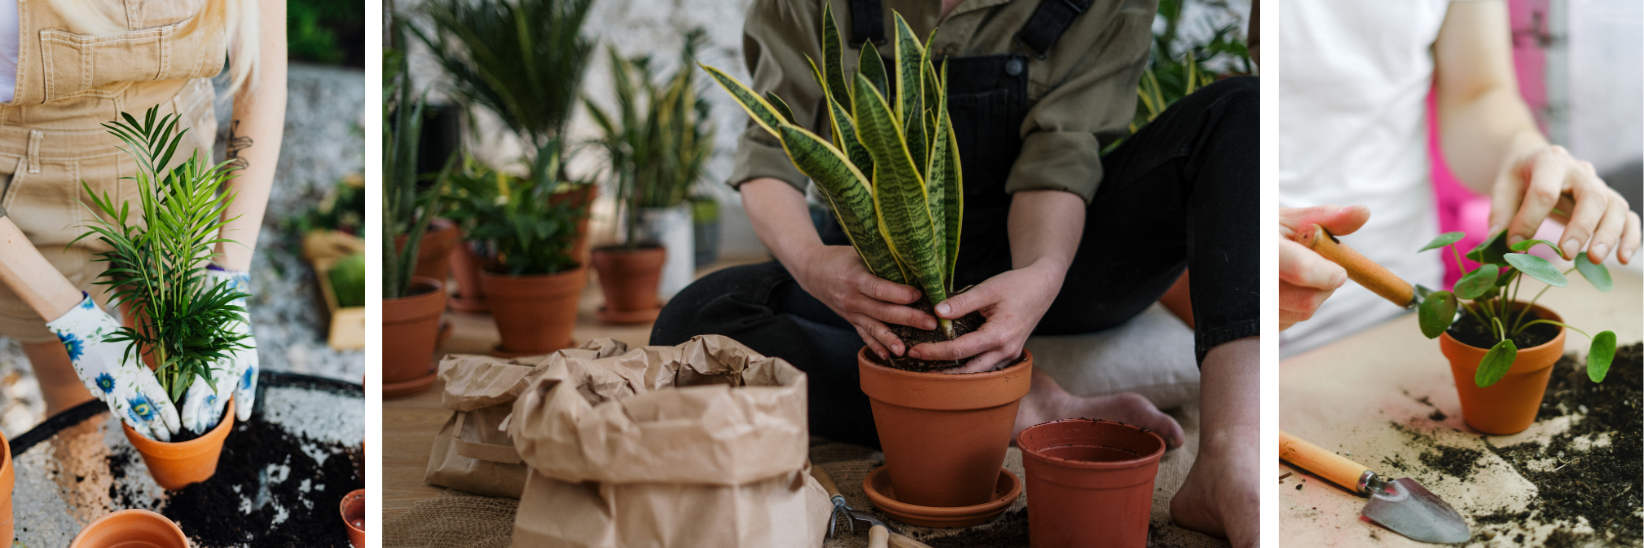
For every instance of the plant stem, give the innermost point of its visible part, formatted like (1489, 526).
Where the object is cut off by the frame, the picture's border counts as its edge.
(946, 326)
(1560, 324)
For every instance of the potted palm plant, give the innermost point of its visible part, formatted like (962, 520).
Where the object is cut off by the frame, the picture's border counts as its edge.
(180, 321)
(658, 142)
(411, 304)
(1502, 349)
(891, 174)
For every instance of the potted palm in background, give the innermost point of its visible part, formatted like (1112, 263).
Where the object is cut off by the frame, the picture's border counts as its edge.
(658, 139)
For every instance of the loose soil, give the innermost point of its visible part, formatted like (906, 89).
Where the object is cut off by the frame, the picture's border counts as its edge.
(1011, 529)
(298, 506)
(913, 337)
(1469, 331)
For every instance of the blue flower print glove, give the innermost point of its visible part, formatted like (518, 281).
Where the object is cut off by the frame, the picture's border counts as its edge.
(203, 407)
(127, 386)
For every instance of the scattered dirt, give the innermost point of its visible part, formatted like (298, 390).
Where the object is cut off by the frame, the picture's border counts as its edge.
(1011, 529)
(1457, 462)
(913, 337)
(1468, 330)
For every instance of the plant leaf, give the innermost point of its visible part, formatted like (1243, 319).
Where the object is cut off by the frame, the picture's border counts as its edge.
(780, 107)
(1599, 355)
(1595, 273)
(899, 196)
(833, 58)
(762, 112)
(871, 66)
(1478, 281)
(1442, 240)
(910, 97)
(1496, 362)
(945, 167)
(848, 192)
(1538, 268)
(1436, 313)
(1527, 244)
(1491, 250)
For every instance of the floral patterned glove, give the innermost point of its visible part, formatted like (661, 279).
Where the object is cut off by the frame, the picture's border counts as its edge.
(203, 407)
(127, 386)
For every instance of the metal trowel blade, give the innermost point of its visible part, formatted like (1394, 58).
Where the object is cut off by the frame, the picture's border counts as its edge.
(1409, 509)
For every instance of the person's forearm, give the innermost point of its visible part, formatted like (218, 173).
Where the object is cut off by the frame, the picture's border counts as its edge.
(1480, 133)
(31, 277)
(781, 219)
(254, 135)
(1045, 228)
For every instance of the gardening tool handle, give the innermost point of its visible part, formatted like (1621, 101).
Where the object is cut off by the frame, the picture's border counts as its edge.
(1330, 466)
(903, 541)
(878, 537)
(1362, 270)
(823, 478)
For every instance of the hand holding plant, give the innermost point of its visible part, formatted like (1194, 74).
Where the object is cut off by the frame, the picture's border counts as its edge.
(111, 374)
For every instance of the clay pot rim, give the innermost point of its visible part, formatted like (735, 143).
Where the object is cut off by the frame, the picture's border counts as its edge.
(1142, 460)
(578, 269)
(149, 515)
(1026, 361)
(889, 505)
(194, 446)
(431, 288)
(1519, 366)
(644, 246)
(342, 508)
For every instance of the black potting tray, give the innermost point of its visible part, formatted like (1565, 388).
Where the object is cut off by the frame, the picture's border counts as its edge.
(279, 478)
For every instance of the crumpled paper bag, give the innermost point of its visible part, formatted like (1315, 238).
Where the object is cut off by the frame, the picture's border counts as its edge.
(702, 444)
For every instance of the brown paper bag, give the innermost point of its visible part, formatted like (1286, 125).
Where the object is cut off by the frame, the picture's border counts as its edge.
(471, 453)
(703, 444)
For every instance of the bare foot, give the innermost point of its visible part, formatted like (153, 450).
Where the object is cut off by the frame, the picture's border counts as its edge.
(1220, 496)
(1047, 401)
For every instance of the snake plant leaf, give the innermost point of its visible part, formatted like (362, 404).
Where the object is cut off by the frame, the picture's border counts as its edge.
(945, 165)
(780, 107)
(1538, 268)
(1442, 240)
(844, 128)
(872, 66)
(1496, 362)
(1436, 313)
(1599, 355)
(1478, 281)
(1527, 244)
(848, 192)
(1595, 273)
(762, 112)
(898, 193)
(833, 57)
(910, 96)
(1492, 250)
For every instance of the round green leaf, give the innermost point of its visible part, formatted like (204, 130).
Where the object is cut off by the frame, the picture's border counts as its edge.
(1527, 244)
(1436, 312)
(1600, 355)
(1496, 362)
(1442, 240)
(1506, 276)
(1491, 250)
(1538, 268)
(1475, 283)
(1595, 274)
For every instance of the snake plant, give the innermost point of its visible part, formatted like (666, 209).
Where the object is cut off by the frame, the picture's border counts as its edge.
(891, 169)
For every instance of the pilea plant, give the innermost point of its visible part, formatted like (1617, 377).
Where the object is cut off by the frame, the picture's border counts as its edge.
(1489, 295)
(182, 317)
(891, 170)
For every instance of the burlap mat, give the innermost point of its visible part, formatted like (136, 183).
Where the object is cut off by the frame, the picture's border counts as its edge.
(458, 520)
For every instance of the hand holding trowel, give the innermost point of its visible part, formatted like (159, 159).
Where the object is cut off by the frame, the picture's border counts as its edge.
(1401, 505)
(1362, 270)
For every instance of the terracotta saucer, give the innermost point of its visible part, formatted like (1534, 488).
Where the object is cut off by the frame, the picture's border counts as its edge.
(471, 306)
(623, 317)
(413, 386)
(879, 490)
(499, 352)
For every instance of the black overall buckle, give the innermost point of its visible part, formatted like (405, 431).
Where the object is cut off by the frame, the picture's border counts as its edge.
(1048, 22)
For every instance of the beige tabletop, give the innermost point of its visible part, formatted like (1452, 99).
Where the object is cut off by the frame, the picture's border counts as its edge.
(1363, 396)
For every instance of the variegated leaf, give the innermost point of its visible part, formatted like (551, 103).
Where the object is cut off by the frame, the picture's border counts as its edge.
(910, 100)
(833, 57)
(898, 192)
(870, 65)
(847, 191)
(762, 112)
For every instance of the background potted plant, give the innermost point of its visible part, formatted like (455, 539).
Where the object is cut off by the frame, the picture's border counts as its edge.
(905, 223)
(658, 143)
(705, 219)
(411, 304)
(1502, 349)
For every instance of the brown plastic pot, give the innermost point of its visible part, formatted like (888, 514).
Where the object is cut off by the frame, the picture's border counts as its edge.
(1089, 482)
(535, 314)
(629, 280)
(353, 516)
(410, 332)
(8, 480)
(434, 252)
(175, 465)
(1509, 406)
(466, 268)
(131, 529)
(944, 436)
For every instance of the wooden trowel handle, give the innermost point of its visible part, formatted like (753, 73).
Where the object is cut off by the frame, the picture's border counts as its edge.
(823, 478)
(1362, 270)
(1330, 466)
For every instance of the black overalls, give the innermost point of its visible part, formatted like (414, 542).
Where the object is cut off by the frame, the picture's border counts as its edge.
(1181, 193)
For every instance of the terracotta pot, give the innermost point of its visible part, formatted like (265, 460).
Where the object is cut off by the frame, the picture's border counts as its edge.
(1089, 482)
(535, 314)
(353, 516)
(8, 480)
(944, 436)
(629, 279)
(434, 253)
(1509, 405)
(410, 329)
(175, 465)
(131, 529)
(465, 268)
(580, 198)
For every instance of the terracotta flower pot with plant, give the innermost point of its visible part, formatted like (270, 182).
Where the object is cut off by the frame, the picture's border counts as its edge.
(904, 222)
(1501, 349)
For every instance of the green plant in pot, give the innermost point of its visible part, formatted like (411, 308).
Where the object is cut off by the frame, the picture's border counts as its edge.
(891, 173)
(658, 140)
(1502, 349)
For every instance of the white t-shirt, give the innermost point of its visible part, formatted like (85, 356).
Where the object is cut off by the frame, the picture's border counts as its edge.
(8, 50)
(1353, 130)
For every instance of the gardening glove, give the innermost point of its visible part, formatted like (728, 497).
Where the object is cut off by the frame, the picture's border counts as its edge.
(124, 383)
(203, 406)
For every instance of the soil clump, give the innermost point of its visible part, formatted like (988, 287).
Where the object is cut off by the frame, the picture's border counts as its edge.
(1469, 331)
(912, 337)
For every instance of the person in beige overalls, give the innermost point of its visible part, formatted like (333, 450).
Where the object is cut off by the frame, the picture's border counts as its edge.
(81, 63)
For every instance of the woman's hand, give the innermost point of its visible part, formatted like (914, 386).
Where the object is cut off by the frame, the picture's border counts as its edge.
(1012, 303)
(1307, 279)
(835, 275)
(111, 374)
(1540, 178)
(236, 376)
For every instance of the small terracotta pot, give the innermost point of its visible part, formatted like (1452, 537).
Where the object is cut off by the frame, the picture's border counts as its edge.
(353, 516)
(1089, 483)
(410, 329)
(629, 279)
(131, 529)
(434, 252)
(465, 268)
(580, 198)
(944, 436)
(175, 465)
(535, 314)
(1509, 406)
(8, 480)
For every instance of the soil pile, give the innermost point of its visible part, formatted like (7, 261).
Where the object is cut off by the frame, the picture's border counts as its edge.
(914, 337)
(1468, 330)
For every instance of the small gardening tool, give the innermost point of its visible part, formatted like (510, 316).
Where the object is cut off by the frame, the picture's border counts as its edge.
(1401, 505)
(881, 535)
(1362, 270)
(840, 509)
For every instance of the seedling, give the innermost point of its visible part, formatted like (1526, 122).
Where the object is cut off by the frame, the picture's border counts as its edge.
(1489, 294)
(891, 170)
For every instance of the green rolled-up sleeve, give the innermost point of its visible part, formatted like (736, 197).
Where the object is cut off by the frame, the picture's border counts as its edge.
(776, 38)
